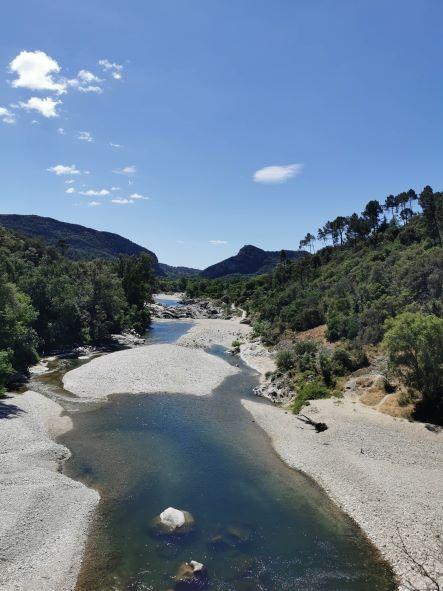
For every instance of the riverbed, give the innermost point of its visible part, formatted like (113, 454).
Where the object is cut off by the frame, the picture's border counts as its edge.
(260, 525)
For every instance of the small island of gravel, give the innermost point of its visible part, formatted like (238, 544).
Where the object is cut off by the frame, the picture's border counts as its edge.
(151, 369)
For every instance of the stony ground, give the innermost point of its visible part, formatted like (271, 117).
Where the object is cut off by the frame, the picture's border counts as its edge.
(44, 516)
(384, 472)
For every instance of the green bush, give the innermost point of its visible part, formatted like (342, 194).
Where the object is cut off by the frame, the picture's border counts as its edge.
(414, 343)
(6, 370)
(312, 390)
(285, 360)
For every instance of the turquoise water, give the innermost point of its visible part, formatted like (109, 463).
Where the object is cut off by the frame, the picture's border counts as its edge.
(260, 525)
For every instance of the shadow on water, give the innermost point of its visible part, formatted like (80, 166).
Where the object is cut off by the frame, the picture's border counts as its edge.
(259, 524)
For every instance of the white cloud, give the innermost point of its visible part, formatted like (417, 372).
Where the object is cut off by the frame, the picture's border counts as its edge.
(127, 170)
(115, 188)
(61, 131)
(137, 196)
(70, 181)
(62, 169)
(112, 68)
(86, 172)
(6, 115)
(35, 122)
(217, 242)
(115, 145)
(86, 81)
(277, 174)
(70, 191)
(46, 107)
(89, 77)
(94, 203)
(95, 192)
(35, 70)
(122, 201)
(85, 136)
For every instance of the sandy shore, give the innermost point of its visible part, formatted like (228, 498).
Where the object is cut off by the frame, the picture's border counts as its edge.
(154, 368)
(44, 516)
(385, 473)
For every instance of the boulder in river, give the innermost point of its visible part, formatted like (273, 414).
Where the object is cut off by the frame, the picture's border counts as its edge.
(173, 521)
(191, 575)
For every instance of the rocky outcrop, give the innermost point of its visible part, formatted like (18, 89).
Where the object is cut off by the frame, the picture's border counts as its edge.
(188, 309)
(277, 390)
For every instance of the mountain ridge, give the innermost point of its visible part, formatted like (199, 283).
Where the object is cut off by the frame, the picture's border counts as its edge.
(250, 260)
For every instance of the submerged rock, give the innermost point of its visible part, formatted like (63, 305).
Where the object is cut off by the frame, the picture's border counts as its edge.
(173, 521)
(191, 575)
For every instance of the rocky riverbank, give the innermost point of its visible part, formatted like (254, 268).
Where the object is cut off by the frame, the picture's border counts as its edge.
(384, 472)
(188, 308)
(44, 516)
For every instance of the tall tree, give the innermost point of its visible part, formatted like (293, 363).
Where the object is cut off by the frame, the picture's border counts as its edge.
(372, 213)
(431, 204)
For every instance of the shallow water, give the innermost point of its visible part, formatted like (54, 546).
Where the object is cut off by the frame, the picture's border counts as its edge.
(260, 525)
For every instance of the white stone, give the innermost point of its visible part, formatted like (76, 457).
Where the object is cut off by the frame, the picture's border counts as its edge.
(197, 566)
(172, 518)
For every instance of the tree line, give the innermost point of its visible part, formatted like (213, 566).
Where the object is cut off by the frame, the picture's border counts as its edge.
(373, 219)
(377, 279)
(49, 302)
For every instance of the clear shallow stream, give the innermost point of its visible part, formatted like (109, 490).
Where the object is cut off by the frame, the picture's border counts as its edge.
(260, 525)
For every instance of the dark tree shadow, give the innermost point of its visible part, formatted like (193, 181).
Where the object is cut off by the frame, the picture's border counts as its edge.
(9, 411)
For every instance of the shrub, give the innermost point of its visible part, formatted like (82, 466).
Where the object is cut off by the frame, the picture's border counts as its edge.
(6, 370)
(313, 390)
(414, 343)
(285, 360)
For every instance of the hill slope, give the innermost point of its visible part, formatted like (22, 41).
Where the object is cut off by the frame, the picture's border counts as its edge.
(177, 272)
(83, 243)
(249, 260)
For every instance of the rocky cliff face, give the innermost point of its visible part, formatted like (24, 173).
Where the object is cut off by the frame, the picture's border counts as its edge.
(249, 260)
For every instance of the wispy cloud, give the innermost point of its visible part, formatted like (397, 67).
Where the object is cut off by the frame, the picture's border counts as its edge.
(85, 136)
(217, 242)
(137, 196)
(61, 169)
(86, 81)
(115, 145)
(94, 203)
(122, 201)
(112, 68)
(95, 192)
(46, 106)
(126, 170)
(35, 70)
(70, 191)
(61, 131)
(115, 188)
(277, 174)
(69, 181)
(7, 116)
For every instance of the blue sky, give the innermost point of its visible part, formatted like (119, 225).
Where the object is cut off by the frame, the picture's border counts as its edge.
(343, 98)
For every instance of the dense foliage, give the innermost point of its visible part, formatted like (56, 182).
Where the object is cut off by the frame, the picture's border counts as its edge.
(372, 267)
(414, 343)
(49, 302)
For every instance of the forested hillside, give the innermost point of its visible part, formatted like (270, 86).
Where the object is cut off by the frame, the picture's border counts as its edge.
(377, 276)
(250, 260)
(75, 241)
(49, 302)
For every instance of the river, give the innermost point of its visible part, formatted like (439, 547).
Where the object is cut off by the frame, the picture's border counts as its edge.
(260, 525)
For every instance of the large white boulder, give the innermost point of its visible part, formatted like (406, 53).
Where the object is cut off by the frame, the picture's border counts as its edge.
(172, 518)
(173, 521)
